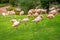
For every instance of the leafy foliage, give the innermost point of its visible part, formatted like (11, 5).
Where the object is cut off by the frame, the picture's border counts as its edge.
(3, 1)
(27, 4)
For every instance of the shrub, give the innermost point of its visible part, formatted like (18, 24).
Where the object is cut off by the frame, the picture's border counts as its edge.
(16, 12)
(27, 4)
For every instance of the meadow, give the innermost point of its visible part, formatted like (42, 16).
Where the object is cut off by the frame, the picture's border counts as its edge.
(46, 29)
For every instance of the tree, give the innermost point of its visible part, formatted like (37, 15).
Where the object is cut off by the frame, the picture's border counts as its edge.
(4, 1)
(46, 3)
(27, 4)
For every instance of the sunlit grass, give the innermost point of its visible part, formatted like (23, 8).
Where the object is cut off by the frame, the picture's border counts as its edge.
(47, 29)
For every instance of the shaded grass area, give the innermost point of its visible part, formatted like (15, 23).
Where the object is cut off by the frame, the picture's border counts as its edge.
(4, 4)
(46, 29)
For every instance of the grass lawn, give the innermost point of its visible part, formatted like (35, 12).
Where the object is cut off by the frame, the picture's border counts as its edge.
(4, 4)
(46, 29)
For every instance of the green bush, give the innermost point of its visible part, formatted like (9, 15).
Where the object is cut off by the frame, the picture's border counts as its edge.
(4, 1)
(16, 12)
(12, 2)
(27, 4)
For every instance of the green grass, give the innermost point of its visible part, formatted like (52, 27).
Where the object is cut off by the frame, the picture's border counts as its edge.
(4, 4)
(47, 29)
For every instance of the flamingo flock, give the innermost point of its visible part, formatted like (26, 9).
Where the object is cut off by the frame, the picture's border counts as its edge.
(36, 13)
